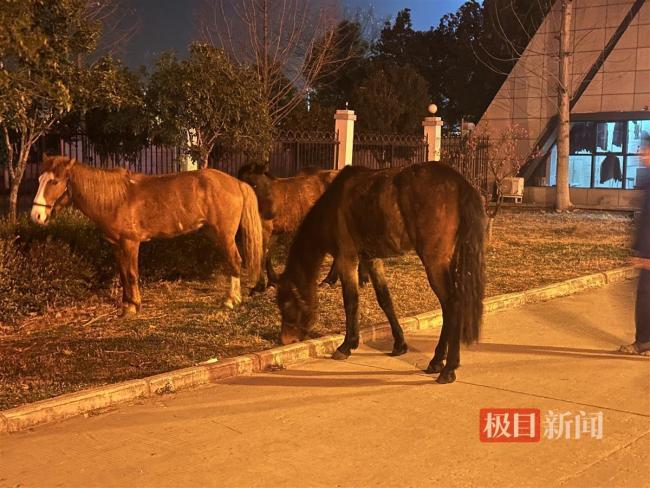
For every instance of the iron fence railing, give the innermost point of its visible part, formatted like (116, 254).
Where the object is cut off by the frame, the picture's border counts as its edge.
(470, 158)
(379, 151)
(290, 152)
(152, 159)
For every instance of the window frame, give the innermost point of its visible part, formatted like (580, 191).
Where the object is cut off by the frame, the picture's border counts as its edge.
(608, 118)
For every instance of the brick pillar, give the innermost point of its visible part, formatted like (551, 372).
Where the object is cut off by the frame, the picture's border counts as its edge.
(344, 126)
(433, 134)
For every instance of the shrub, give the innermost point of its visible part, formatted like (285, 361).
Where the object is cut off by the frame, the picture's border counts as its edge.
(68, 260)
(43, 275)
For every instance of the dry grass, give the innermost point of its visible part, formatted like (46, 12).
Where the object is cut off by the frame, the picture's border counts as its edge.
(182, 322)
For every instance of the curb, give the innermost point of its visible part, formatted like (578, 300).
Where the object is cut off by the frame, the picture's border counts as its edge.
(94, 399)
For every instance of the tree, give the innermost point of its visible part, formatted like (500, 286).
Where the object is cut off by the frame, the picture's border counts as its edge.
(507, 47)
(334, 86)
(467, 86)
(116, 120)
(290, 44)
(206, 99)
(562, 193)
(41, 42)
(396, 40)
(384, 105)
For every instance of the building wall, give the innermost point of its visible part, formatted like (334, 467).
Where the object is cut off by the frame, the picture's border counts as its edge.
(596, 198)
(528, 97)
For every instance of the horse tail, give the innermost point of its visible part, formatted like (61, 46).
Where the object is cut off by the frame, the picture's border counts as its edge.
(468, 264)
(250, 228)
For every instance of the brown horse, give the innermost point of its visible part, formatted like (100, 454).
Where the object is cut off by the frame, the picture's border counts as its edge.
(283, 203)
(131, 208)
(366, 215)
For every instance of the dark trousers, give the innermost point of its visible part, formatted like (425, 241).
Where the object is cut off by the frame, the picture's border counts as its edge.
(643, 307)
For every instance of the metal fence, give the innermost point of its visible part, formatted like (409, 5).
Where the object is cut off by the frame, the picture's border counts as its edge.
(154, 160)
(471, 159)
(379, 151)
(291, 151)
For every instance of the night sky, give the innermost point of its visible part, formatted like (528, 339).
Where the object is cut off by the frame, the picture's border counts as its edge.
(170, 24)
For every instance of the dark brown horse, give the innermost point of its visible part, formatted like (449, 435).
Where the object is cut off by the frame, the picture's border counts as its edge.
(366, 215)
(283, 203)
(131, 208)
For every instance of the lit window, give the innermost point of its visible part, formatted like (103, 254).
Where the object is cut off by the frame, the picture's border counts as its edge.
(580, 171)
(604, 154)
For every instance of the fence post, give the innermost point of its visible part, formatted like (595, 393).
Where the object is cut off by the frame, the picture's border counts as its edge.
(344, 126)
(433, 134)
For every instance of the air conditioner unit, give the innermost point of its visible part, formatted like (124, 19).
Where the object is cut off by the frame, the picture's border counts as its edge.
(512, 187)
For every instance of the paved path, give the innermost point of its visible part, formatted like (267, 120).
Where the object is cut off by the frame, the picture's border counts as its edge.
(376, 420)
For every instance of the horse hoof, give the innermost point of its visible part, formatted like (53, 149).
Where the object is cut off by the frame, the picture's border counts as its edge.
(128, 310)
(434, 368)
(399, 350)
(327, 283)
(446, 377)
(257, 290)
(339, 356)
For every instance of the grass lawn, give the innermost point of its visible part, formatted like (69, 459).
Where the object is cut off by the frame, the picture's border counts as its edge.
(182, 324)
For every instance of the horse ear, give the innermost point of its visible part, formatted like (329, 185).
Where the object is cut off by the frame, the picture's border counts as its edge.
(49, 162)
(70, 163)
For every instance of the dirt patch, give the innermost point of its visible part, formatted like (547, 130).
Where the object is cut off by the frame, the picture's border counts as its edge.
(182, 322)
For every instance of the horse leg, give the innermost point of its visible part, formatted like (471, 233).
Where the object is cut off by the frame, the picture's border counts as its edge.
(232, 261)
(270, 271)
(438, 280)
(233, 298)
(121, 267)
(448, 347)
(347, 271)
(364, 277)
(268, 240)
(448, 373)
(332, 277)
(128, 262)
(375, 268)
(437, 363)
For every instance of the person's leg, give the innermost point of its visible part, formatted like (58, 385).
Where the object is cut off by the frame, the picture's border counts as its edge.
(643, 308)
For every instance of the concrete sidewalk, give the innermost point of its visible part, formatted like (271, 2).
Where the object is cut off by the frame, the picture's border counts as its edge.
(378, 421)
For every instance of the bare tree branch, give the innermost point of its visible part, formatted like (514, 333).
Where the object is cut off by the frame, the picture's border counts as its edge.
(290, 43)
(119, 24)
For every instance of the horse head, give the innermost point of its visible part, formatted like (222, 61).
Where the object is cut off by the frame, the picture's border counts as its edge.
(258, 177)
(52, 191)
(297, 315)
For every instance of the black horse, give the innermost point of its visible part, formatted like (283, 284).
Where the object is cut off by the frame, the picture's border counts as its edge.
(366, 215)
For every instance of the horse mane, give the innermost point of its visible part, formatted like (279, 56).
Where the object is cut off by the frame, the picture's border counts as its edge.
(100, 188)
